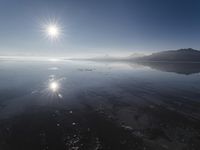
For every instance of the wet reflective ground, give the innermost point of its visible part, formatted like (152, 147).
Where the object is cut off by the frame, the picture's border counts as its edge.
(77, 105)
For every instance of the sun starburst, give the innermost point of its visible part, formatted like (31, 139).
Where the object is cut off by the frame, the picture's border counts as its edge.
(52, 29)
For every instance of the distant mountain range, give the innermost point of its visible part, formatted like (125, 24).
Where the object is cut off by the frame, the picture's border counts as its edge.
(181, 55)
(182, 61)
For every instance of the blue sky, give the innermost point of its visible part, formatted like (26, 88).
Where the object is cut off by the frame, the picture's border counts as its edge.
(93, 27)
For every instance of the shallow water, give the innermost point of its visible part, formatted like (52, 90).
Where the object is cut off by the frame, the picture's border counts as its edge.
(74, 105)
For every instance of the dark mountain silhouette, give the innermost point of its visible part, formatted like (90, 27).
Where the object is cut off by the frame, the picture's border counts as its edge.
(181, 55)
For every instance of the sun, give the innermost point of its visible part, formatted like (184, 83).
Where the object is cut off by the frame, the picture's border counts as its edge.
(52, 31)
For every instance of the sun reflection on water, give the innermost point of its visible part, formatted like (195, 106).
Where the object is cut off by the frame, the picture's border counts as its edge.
(54, 86)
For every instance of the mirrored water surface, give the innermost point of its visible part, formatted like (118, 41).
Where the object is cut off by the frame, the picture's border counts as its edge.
(75, 105)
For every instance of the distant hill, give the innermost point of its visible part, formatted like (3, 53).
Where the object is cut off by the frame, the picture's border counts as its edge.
(108, 58)
(181, 55)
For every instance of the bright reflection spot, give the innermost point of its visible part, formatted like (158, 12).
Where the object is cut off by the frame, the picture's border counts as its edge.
(54, 86)
(54, 59)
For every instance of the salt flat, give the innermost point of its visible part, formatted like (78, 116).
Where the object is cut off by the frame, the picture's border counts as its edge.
(98, 105)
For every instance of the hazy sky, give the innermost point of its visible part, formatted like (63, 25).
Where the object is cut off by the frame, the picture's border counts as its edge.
(99, 26)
